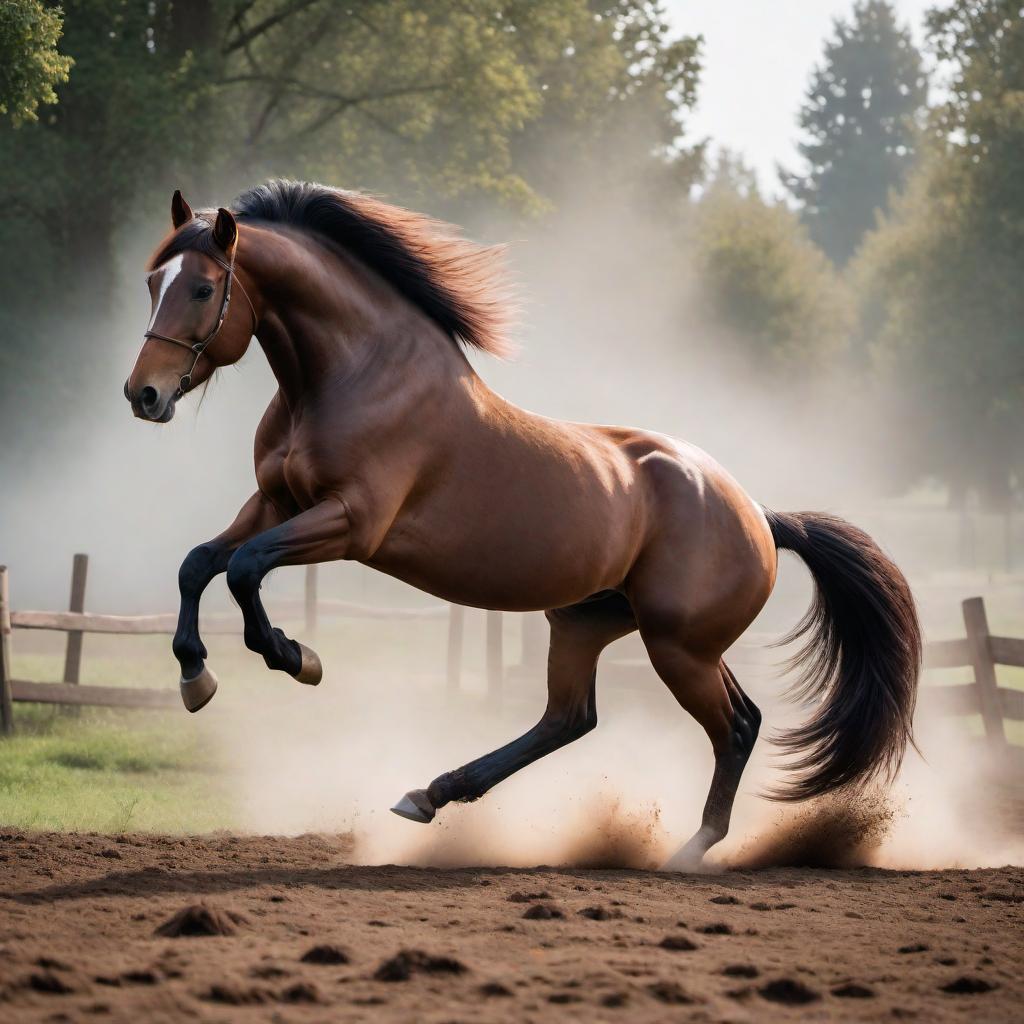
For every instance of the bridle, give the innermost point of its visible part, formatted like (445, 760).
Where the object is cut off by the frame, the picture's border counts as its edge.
(199, 347)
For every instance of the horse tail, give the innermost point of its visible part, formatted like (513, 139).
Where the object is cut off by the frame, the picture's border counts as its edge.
(861, 659)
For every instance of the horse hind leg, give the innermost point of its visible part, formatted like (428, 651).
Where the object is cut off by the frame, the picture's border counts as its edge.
(578, 635)
(708, 690)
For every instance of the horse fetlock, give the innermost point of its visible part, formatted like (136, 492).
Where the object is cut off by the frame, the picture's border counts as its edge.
(190, 657)
(197, 691)
(690, 857)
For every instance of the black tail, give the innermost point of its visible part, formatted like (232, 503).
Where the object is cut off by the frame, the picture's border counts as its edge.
(861, 659)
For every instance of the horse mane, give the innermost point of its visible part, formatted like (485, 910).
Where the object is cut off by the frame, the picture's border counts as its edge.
(458, 284)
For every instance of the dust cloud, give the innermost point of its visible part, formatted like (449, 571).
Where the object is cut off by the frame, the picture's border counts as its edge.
(625, 796)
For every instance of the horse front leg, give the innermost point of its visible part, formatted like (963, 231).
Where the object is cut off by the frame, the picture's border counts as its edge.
(320, 534)
(201, 565)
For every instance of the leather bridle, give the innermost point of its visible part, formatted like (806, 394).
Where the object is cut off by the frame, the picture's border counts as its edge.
(199, 347)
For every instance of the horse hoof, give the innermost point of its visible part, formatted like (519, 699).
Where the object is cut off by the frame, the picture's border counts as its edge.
(415, 806)
(310, 670)
(691, 856)
(198, 692)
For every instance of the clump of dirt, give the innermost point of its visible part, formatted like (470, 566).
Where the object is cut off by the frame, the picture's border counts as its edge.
(495, 990)
(678, 944)
(325, 954)
(543, 912)
(600, 913)
(50, 983)
(301, 992)
(528, 897)
(838, 831)
(407, 962)
(788, 991)
(968, 986)
(851, 990)
(232, 994)
(669, 992)
(201, 919)
(740, 971)
(615, 838)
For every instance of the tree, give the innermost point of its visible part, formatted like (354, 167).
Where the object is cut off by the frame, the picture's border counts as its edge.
(859, 120)
(30, 65)
(617, 88)
(763, 280)
(941, 301)
(408, 98)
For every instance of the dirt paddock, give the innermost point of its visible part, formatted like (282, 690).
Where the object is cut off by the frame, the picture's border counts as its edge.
(140, 927)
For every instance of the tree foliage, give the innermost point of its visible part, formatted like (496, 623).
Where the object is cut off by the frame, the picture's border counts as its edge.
(859, 125)
(451, 101)
(30, 64)
(940, 280)
(763, 280)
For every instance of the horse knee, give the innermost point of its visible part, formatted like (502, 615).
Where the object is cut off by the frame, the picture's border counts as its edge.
(199, 566)
(245, 572)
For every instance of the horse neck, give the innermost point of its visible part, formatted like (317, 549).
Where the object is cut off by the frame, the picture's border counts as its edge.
(327, 320)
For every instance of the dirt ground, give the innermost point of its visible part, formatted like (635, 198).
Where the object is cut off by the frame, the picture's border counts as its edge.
(87, 923)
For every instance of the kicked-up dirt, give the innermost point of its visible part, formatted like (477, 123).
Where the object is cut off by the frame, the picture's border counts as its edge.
(224, 928)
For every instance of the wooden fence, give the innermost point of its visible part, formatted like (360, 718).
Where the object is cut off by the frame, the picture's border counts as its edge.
(979, 650)
(76, 622)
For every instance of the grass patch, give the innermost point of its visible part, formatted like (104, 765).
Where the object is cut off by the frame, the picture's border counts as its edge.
(108, 770)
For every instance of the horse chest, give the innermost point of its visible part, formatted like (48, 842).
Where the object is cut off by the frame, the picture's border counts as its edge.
(287, 477)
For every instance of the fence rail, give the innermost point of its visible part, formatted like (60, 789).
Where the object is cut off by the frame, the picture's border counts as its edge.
(76, 622)
(979, 650)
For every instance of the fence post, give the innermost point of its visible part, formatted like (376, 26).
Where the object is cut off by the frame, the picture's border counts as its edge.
(533, 656)
(976, 623)
(495, 659)
(1008, 540)
(456, 622)
(310, 600)
(73, 649)
(6, 702)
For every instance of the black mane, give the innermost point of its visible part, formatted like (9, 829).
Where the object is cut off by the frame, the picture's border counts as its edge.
(455, 282)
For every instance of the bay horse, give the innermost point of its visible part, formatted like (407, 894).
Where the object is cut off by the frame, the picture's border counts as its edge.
(382, 445)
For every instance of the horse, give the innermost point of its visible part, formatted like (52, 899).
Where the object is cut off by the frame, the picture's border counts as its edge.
(382, 445)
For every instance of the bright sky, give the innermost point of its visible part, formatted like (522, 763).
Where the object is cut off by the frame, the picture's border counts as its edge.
(758, 58)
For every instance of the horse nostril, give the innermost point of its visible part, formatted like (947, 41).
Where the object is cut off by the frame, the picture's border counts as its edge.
(148, 397)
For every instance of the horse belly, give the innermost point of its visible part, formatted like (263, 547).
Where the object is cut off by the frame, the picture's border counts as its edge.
(515, 551)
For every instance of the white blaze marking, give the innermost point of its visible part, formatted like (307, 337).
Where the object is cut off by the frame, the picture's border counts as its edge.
(170, 270)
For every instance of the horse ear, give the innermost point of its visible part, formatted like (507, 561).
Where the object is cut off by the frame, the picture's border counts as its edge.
(225, 231)
(180, 210)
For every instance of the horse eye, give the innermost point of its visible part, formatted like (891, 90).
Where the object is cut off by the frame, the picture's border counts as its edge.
(204, 291)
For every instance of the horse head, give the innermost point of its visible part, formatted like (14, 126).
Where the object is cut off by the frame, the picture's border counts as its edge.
(194, 327)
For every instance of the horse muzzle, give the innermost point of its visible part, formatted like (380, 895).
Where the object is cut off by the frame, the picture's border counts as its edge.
(151, 403)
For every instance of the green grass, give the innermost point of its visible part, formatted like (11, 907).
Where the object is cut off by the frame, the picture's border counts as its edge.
(107, 771)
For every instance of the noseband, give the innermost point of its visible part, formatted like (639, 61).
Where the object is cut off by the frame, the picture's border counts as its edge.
(199, 347)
